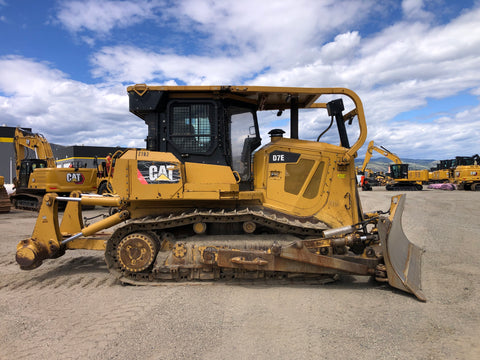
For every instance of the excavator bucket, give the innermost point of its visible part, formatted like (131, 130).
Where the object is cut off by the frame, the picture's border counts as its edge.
(402, 258)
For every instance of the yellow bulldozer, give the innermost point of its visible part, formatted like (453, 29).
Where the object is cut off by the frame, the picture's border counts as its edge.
(204, 201)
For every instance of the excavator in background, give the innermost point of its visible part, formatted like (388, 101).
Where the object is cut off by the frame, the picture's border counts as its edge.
(467, 172)
(37, 172)
(405, 179)
(381, 150)
(4, 199)
(402, 177)
(368, 155)
(204, 201)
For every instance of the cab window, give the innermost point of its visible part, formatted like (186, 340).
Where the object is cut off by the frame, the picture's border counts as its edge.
(191, 127)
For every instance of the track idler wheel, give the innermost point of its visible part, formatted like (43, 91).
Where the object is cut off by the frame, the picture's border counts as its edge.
(137, 251)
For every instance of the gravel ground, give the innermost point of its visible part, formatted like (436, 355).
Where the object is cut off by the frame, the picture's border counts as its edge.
(71, 308)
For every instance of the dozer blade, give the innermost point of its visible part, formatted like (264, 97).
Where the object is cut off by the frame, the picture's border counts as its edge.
(402, 258)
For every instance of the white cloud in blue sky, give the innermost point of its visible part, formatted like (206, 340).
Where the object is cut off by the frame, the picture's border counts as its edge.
(64, 65)
(101, 17)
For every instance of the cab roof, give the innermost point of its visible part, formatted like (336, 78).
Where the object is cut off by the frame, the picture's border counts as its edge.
(263, 97)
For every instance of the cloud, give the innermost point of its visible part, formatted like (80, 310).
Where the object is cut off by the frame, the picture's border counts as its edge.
(229, 28)
(397, 70)
(103, 16)
(131, 64)
(414, 9)
(395, 65)
(433, 139)
(33, 94)
(341, 49)
(272, 28)
(288, 51)
(234, 43)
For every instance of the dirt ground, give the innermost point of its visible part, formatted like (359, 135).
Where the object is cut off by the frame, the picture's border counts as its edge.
(71, 308)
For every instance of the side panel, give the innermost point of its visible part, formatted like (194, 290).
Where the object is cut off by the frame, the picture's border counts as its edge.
(441, 175)
(206, 178)
(418, 175)
(152, 175)
(467, 173)
(307, 179)
(64, 179)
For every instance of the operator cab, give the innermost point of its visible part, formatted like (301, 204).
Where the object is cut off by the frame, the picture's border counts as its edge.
(27, 166)
(201, 129)
(467, 160)
(219, 125)
(399, 171)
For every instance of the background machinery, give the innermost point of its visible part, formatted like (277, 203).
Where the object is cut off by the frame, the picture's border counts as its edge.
(405, 179)
(371, 177)
(4, 199)
(37, 173)
(203, 201)
(467, 172)
(381, 150)
(444, 172)
(402, 177)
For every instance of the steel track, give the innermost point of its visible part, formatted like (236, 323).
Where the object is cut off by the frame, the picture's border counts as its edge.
(159, 226)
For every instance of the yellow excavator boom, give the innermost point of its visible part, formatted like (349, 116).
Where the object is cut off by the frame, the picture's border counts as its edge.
(381, 150)
(37, 142)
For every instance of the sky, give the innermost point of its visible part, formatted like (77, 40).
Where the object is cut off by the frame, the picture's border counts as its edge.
(65, 64)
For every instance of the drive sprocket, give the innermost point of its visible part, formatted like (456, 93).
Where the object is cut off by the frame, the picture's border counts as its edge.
(136, 252)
